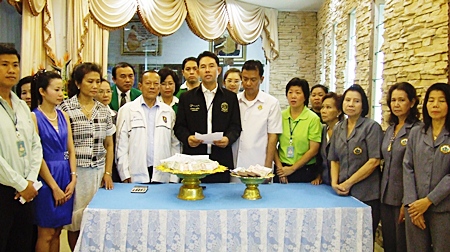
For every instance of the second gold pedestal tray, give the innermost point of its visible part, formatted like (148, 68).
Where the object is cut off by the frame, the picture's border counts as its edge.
(251, 191)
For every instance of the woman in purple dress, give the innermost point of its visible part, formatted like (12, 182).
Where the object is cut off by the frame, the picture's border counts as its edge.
(54, 203)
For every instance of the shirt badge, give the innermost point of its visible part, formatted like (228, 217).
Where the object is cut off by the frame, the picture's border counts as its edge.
(260, 107)
(194, 107)
(164, 119)
(404, 141)
(224, 107)
(357, 151)
(445, 148)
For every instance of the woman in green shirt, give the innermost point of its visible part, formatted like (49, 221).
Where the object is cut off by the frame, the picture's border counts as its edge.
(300, 141)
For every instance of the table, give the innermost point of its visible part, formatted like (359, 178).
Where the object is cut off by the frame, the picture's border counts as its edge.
(289, 217)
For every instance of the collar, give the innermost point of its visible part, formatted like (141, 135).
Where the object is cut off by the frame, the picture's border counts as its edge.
(142, 102)
(205, 90)
(183, 86)
(120, 92)
(302, 116)
(428, 138)
(259, 97)
(175, 100)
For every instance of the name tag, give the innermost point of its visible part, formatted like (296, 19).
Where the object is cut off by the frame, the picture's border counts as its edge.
(290, 152)
(21, 148)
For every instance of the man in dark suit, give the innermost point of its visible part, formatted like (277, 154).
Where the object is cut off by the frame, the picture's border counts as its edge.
(122, 92)
(206, 109)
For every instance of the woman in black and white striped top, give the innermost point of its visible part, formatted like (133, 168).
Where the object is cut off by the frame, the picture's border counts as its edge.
(92, 129)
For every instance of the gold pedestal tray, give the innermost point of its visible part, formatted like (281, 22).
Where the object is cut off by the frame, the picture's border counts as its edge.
(191, 189)
(251, 191)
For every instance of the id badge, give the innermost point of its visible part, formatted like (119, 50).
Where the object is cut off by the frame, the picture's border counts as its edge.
(21, 148)
(290, 152)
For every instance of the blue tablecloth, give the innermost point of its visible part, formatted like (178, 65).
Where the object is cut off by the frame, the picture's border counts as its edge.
(292, 217)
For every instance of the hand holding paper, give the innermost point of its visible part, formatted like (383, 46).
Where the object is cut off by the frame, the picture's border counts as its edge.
(209, 138)
(37, 185)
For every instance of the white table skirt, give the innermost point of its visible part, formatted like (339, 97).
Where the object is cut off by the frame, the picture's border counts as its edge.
(271, 228)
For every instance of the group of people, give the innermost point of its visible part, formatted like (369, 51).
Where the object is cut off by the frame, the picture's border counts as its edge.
(104, 134)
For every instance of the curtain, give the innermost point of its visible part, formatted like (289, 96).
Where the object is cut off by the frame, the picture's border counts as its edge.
(37, 48)
(162, 17)
(207, 19)
(86, 40)
(112, 14)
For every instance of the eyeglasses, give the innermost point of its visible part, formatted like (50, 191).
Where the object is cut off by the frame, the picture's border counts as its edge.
(230, 81)
(105, 91)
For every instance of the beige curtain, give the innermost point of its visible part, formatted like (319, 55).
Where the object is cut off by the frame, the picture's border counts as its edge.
(37, 49)
(36, 6)
(112, 13)
(246, 21)
(162, 17)
(86, 41)
(206, 19)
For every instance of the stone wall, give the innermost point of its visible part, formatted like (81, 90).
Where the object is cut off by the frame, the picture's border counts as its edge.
(297, 39)
(416, 44)
(337, 12)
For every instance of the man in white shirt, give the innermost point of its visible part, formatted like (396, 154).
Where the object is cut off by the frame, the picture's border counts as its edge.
(189, 69)
(20, 159)
(145, 135)
(260, 119)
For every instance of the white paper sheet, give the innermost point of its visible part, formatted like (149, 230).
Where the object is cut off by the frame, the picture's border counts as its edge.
(209, 138)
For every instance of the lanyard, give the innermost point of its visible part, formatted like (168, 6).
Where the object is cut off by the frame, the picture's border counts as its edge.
(13, 119)
(291, 130)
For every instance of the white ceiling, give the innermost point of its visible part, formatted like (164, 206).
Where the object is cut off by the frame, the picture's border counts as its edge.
(288, 5)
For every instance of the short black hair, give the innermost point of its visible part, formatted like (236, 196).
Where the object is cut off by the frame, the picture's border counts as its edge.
(254, 65)
(365, 101)
(165, 72)
(325, 89)
(337, 102)
(9, 50)
(24, 80)
(303, 84)
(121, 65)
(78, 73)
(410, 91)
(207, 54)
(445, 88)
(187, 60)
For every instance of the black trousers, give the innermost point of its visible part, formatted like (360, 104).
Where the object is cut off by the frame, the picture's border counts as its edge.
(305, 174)
(16, 222)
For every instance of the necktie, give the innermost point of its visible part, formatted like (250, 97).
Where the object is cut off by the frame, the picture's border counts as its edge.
(123, 100)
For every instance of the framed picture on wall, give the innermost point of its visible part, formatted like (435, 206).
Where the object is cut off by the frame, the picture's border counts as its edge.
(228, 50)
(137, 40)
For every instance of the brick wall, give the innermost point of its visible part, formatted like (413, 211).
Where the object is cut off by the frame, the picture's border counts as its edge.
(297, 38)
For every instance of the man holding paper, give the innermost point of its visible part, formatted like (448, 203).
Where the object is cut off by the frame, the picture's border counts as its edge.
(209, 109)
(20, 159)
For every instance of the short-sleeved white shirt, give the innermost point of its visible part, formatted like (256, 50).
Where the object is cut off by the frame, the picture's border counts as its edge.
(258, 118)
